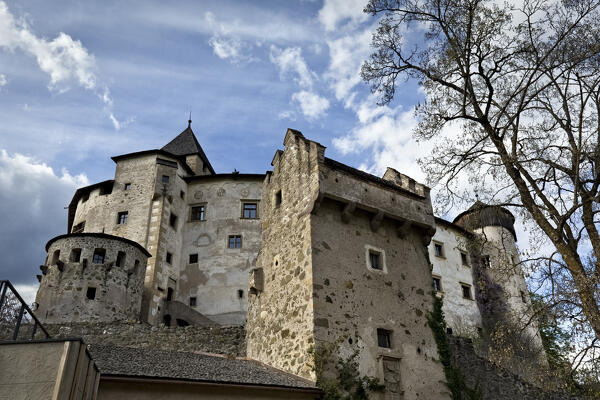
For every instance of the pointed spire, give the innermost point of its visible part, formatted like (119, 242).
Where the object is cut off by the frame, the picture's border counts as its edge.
(190, 120)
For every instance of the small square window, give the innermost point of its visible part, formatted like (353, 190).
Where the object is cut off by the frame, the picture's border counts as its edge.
(197, 213)
(127, 186)
(485, 261)
(278, 198)
(234, 242)
(169, 258)
(466, 291)
(75, 255)
(98, 257)
(249, 210)
(437, 284)
(375, 260)
(240, 294)
(182, 194)
(122, 217)
(384, 338)
(173, 221)
(193, 301)
(91, 293)
(165, 179)
(438, 249)
(464, 258)
(193, 258)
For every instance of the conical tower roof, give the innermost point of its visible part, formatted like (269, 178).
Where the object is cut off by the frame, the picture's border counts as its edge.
(186, 144)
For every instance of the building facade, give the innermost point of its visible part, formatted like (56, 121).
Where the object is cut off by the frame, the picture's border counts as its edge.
(312, 254)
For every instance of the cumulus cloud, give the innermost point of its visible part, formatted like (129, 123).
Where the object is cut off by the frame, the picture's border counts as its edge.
(33, 199)
(312, 105)
(335, 11)
(65, 60)
(291, 64)
(227, 45)
(3, 81)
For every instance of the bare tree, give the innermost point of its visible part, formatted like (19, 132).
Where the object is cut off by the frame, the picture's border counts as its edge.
(523, 83)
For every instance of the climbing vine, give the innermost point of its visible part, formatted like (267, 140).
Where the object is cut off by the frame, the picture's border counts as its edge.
(346, 382)
(455, 381)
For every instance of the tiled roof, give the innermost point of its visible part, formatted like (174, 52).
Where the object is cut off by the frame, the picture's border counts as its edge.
(185, 144)
(149, 363)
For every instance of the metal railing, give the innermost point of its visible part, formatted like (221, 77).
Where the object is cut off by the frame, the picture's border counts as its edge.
(17, 321)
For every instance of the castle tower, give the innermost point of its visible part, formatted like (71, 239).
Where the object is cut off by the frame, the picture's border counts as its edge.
(344, 262)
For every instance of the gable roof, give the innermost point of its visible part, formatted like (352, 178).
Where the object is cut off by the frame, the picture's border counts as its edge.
(186, 144)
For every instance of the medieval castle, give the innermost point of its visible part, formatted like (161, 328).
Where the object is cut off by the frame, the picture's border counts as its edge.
(311, 253)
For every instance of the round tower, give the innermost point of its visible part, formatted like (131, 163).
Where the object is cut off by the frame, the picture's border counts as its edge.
(91, 277)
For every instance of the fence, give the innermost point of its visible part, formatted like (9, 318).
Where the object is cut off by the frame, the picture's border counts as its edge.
(17, 321)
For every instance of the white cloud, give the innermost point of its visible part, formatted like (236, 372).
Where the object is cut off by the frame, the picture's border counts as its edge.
(227, 45)
(65, 60)
(3, 80)
(336, 11)
(290, 61)
(33, 199)
(312, 105)
(27, 292)
(287, 114)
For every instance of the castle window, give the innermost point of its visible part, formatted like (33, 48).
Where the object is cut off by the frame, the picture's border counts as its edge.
(234, 242)
(193, 301)
(197, 213)
(485, 261)
(90, 293)
(136, 265)
(122, 217)
(384, 338)
(193, 258)
(173, 221)
(78, 228)
(466, 291)
(375, 260)
(127, 186)
(75, 255)
(240, 294)
(437, 284)
(449, 331)
(523, 298)
(169, 258)
(170, 292)
(165, 179)
(250, 210)
(55, 257)
(278, 198)
(182, 194)
(99, 255)
(464, 258)
(438, 249)
(121, 259)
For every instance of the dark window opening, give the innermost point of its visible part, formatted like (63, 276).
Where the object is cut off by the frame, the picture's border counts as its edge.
(464, 258)
(449, 331)
(438, 249)
(250, 210)
(121, 259)
(437, 284)
(55, 257)
(75, 255)
(278, 198)
(523, 298)
(165, 179)
(136, 265)
(234, 242)
(127, 186)
(384, 338)
(197, 213)
(193, 301)
(485, 261)
(169, 258)
(412, 185)
(182, 194)
(240, 294)
(167, 320)
(173, 221)
(91, 293)
(375, 260)
(78, 228)
(466, 291)
(122, 217)
(193, 258)
(182, 322)
(170, 292)
(98, 257)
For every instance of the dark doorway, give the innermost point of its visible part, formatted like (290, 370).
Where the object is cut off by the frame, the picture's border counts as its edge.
(170, 294)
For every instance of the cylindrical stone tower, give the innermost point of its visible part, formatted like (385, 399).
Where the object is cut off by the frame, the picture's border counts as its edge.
(91, 277)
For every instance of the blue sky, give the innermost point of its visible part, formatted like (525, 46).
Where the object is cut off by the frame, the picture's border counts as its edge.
(81, 81)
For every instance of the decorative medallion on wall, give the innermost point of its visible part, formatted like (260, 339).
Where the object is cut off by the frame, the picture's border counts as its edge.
(198, 195)
(220, 192)
(245, 192)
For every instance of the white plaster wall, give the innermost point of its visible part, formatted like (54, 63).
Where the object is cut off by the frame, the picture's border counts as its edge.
(462, 315)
